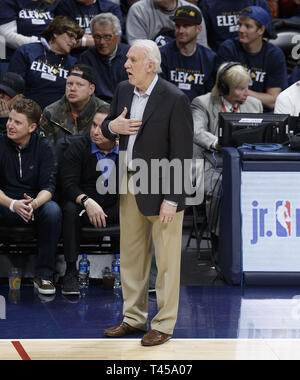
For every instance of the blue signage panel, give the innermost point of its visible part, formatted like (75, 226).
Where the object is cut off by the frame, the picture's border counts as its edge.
(270, 212)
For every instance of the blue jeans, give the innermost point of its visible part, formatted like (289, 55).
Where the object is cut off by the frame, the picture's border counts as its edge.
(47, 221)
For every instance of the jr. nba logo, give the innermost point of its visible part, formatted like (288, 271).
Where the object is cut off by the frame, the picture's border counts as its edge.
(283, 218)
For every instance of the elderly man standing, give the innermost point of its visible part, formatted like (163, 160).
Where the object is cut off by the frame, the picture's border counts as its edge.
(154, 122)
(107, 56)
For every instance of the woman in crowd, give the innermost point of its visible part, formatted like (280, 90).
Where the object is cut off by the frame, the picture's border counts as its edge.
(45, 65)
(22, 22)
(230, 94)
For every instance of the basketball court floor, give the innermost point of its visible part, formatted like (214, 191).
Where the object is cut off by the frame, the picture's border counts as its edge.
(215, 322)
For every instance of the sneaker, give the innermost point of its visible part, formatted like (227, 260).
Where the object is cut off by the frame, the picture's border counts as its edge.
(70, 286)
(44, 286)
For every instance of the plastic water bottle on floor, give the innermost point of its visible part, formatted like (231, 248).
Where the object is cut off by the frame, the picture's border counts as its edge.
(84, 272)
(115, 268)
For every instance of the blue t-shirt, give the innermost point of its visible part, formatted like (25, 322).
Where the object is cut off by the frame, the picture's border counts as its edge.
(221, 18)
(45, 72)
(109, 73)
(194, 75)
(32, 17)
(266, 68)
(83, 14)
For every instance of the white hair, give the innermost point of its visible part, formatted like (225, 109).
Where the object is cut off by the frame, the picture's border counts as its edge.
(152, 53)
(106, 19)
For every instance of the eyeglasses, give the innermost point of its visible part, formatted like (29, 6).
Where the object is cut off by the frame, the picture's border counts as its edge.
(72, 36)
(105, 37)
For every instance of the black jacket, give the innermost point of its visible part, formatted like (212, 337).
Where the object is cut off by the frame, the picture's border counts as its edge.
(78, 174)
(166, 134)
(3, 122)
(29, 170)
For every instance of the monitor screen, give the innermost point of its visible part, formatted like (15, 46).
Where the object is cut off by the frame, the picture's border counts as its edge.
(236, 129)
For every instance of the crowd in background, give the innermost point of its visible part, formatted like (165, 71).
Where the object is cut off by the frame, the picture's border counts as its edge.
(45, 38)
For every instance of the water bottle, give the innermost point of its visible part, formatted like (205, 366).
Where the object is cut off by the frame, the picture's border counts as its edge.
(115, 268)
(84, 272)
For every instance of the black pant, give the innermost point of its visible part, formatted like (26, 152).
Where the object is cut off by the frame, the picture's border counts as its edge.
(47, 220)
(72, 224)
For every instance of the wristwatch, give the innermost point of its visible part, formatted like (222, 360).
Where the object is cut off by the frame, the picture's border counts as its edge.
(83, 200)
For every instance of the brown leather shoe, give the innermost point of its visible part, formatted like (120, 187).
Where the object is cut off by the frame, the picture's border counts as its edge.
(122, 329)
(154, 338)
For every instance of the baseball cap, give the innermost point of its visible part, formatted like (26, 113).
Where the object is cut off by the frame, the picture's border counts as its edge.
(187, 13)
(12, 84)
(88, 72)
(260, 15)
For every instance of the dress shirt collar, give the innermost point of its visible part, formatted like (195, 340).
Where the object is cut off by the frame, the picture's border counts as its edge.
(149, 89)
(230, 107)
(95, 149)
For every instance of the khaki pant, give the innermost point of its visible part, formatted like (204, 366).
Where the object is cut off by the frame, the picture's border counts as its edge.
(138, 234)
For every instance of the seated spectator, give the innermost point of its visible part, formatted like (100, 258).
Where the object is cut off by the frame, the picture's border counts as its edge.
(222, 18)
(22, 21)
(27, 182)
(265, 62)
(108, 56)
(288, 101)
(230, 94)
(83, 11)
(84, 205)
(185, 63)
(45, 65)
(147, 19)
(11, 89)
(73, 113)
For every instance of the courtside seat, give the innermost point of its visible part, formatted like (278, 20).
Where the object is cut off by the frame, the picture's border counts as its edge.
(23, 240)
(17, 234)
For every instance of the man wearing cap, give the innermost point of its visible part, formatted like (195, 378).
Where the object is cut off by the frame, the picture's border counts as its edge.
(73, 114)
(185, 63)
(11, 88)
(222, 18)
(265, 62)
(147, 19)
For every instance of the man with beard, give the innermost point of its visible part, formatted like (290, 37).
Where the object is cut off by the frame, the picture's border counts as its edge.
(185, 63)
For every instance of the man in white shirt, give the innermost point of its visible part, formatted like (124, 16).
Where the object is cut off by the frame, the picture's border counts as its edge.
(288, 101)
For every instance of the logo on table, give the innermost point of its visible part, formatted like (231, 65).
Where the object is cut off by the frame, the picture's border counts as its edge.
(279, 221)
